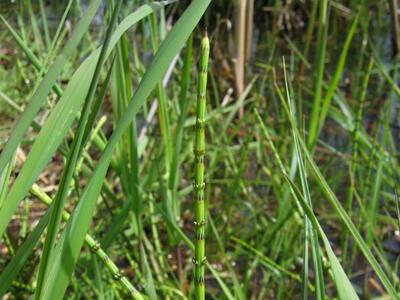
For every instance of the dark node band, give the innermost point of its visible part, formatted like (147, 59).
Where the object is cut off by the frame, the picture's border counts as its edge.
(199, 187)
(199, 153)
(200, 123)
(200, 197)
(200, 236)
(95, 247)
(200, 280)
(202, 263)
(199, 224)
(117, 276)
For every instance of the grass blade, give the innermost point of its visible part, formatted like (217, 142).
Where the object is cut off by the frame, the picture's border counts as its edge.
(47, 83)
(21, 256)
(319, 72)
(338, 72)
(61, 118)
(69, 169)
(77, 226)
(344, 287)
(330, 196)
(91, 243)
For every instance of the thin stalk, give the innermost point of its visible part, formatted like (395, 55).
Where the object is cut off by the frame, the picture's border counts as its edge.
(42, 91)
(94, 246)
(128, 147)
(162, 99)
(335, 79)
(56, 214)
(45, 26)
(303, 63)
(51, 47)
(373, 203)
(38, 41)
(200, 215)
(310, 232)
(183, 105)
(310, 28)
(241, 42)
(320, 62)
(354, 154)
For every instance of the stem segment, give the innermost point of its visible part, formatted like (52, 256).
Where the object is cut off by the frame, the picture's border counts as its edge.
(94, 246)
(200, 259)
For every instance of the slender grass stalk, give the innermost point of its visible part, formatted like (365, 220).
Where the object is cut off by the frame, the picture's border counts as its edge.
(354, 153)
(395, 11)
(320, 62)
(310, 232)
(384, 140)
(73, 156)
(332, 199)
(241, 42)
(200, 214)
(310, 28)
(34, 26)
(10, 272)
(338, 72)
(125, 82)
(183, 105)
(45, 26)
(304, 62)
(73, 235)
(94, 246)
(342, 282)
(162, 99)
(51, 48)
(48, 81)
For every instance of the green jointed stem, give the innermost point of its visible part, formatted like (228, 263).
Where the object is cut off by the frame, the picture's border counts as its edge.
(199, 149)
(95, 248)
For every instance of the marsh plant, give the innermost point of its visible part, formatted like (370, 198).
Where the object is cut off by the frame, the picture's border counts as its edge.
(199, 149)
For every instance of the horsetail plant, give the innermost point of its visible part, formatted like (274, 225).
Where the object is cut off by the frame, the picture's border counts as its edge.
(94, 247)
(199, 149)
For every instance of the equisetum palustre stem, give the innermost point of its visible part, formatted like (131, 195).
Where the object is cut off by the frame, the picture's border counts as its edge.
(94, 246)
(199, 259)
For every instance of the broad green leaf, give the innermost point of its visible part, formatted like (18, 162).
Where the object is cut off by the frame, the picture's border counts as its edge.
(77, 226)
(60, 120)
(72, 159)
(46, 84)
